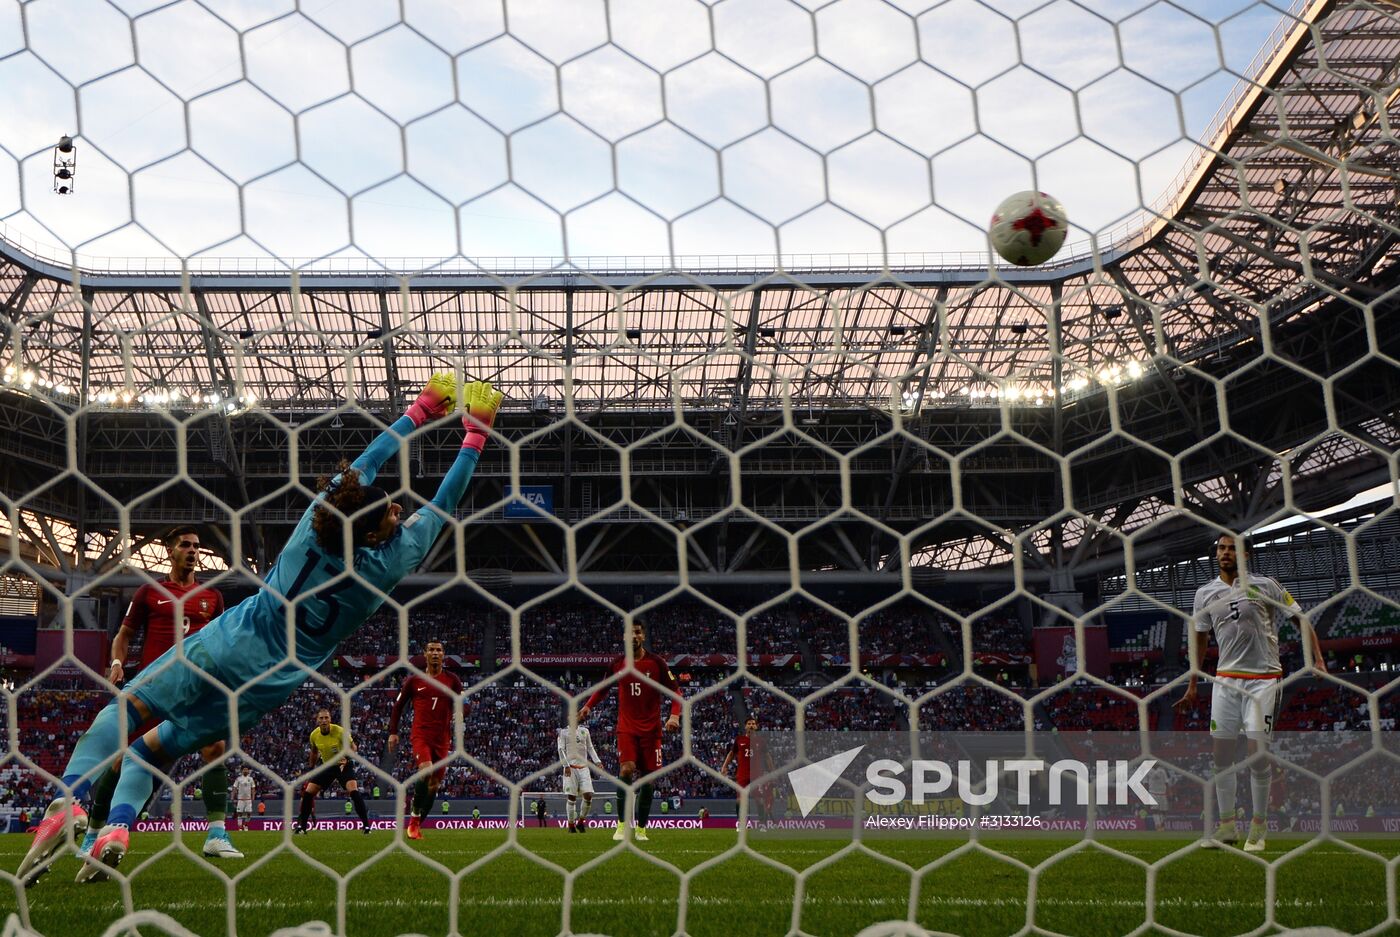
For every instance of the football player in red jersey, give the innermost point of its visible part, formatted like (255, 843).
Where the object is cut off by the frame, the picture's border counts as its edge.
(741, 753)
(639, 725)
(153, 612)
(434, 700)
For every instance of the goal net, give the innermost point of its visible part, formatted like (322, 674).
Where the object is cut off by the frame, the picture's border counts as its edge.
(788, 454)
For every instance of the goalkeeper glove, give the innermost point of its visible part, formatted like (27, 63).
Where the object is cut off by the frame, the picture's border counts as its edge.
(437, 399)
(482, 403)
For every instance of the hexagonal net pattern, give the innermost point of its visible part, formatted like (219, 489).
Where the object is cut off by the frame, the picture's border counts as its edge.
(768, 395)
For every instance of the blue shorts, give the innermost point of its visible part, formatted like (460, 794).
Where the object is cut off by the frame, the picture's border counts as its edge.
(194, 696)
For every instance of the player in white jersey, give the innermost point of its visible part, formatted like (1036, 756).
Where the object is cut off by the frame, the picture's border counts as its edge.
(1242, 609)
(1157, 781)
(575, 752)
(244, 787)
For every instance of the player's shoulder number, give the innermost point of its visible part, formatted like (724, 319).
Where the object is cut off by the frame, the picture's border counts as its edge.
(326, 595)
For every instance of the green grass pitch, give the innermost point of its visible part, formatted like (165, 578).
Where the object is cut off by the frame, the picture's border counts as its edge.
(389, 890)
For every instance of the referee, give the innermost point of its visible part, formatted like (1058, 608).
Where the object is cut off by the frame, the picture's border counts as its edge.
(330, 748)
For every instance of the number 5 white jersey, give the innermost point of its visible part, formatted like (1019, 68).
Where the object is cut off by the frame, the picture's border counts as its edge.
(1244, 617)
(577, 751)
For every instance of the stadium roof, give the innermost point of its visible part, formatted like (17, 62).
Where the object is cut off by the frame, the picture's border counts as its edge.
(1282, 241)
(1295, 204)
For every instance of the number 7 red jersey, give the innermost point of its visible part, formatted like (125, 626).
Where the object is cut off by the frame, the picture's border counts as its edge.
(639, 702)
(433, 703)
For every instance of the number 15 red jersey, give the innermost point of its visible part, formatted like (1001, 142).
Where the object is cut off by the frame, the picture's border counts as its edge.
(639, 702)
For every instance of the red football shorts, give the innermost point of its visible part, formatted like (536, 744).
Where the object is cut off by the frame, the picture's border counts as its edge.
(644, 750)
(426, 751)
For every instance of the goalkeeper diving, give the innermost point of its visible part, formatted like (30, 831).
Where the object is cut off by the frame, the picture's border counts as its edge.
(269, 643)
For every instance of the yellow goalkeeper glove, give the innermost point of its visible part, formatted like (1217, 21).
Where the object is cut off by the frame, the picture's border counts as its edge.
(436, 400)
(482, 403)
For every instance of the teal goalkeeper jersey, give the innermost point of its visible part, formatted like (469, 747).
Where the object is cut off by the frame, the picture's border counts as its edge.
(257, 639)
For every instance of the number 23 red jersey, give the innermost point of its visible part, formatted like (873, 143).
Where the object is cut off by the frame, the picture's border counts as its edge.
(743, 760)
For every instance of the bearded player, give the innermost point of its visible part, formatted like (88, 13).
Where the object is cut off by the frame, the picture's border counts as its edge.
(434, 700)
(1241, 607)
(153, 612)
(638, 723)
(247, 647)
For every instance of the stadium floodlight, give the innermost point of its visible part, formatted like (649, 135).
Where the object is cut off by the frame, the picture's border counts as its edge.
(65, 166)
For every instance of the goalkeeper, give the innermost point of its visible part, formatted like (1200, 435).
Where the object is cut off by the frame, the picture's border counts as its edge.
(259, 645)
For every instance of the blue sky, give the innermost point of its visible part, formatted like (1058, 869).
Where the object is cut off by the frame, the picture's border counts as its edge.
(246, 128)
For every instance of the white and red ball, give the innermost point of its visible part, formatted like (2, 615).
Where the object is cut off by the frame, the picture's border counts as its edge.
(1029, 228)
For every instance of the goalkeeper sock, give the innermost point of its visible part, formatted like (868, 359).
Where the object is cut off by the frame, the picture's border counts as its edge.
(1260, 776)
(308, 803)
(102, 793)
(99, 743)
(644, 794)
(136, 782)
(360, 808)
(216, 795)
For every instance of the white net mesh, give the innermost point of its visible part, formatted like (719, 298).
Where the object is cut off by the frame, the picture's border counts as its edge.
(768, 394)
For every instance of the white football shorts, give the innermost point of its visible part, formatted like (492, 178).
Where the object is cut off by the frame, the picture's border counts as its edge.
(1243, 705)
(578, 781)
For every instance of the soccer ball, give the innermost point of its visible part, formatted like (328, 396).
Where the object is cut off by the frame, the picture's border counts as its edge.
(1029, 228)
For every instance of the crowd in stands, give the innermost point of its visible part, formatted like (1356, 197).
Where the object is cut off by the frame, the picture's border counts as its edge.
(993, 634)
(898, 630)
(509, 720)
(460, 629)
(1084, 705)
(1322, 705)
(683, 627)
(972, 706)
